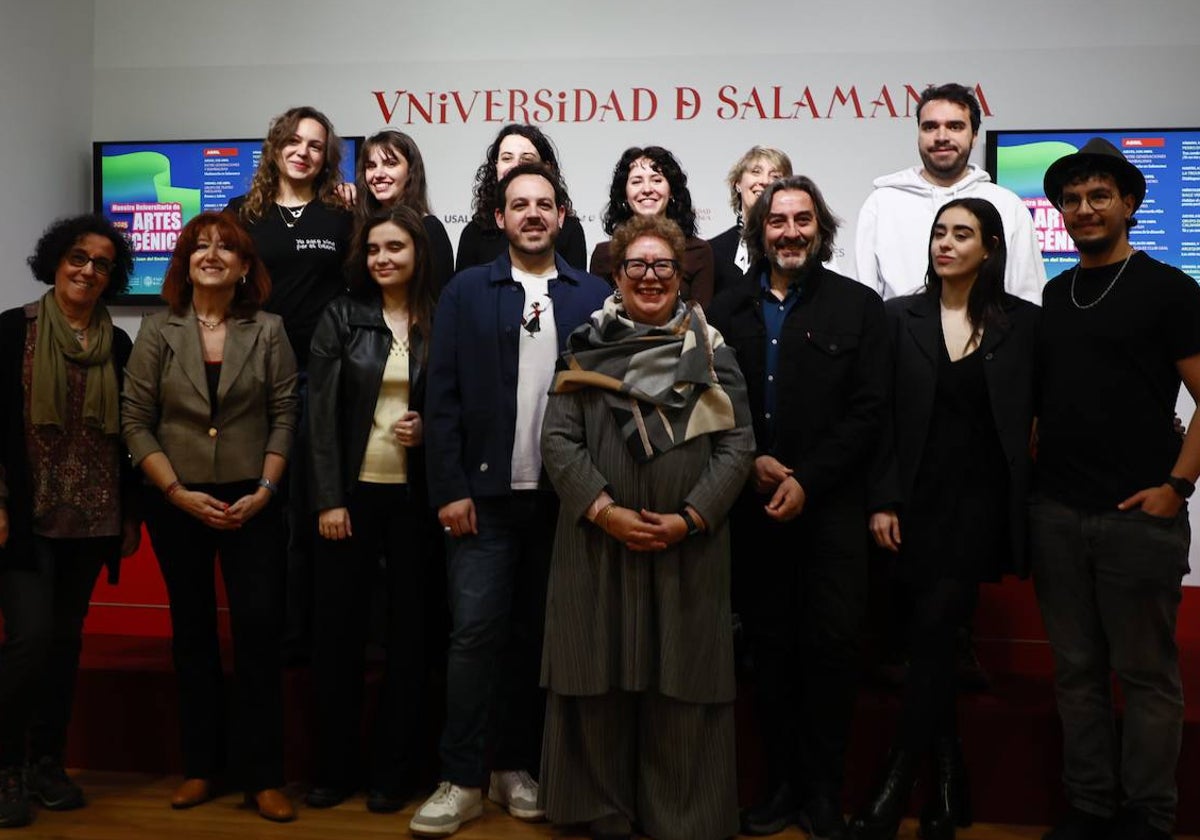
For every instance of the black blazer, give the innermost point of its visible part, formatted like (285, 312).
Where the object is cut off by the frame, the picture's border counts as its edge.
(14, 460)
(832, 379)
(724, 249)
(914, 323)
(345, 368)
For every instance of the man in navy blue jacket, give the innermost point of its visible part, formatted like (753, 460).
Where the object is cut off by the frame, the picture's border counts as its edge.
(497, 336)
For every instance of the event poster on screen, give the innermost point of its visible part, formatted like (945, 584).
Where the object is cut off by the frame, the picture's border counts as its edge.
(1168, 227)
(150, 190)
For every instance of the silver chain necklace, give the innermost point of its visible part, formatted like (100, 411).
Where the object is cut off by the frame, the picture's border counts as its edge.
(294, 212)
(1075, 276)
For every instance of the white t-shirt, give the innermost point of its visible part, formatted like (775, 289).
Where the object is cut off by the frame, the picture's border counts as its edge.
(538, 356)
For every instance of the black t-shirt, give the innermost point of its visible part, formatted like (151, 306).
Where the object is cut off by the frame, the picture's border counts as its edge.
(305, 263)
(1108, 382)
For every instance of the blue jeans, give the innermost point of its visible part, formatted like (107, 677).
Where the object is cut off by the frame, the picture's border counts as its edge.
(1108, 584)
(497, 591)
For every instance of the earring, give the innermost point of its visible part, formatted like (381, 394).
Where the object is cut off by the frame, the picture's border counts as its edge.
(617, 297)
(243, 280)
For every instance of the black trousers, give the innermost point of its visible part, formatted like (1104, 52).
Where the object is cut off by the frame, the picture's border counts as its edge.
(43, 608)
(253, 574)
(385, 523)
(808, 579)
(940, 607)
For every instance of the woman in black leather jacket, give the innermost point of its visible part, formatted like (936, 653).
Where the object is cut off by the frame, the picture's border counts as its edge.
(366, 395)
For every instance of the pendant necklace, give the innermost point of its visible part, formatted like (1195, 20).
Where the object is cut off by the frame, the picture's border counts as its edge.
(210, 325)
(294, 212)
(1103, 294)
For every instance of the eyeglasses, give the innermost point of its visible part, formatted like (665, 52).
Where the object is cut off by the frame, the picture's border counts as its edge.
(1098, 200)
(100, 265)
(636, 269)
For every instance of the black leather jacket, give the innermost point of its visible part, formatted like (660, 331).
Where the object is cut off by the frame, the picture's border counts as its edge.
(349, 351)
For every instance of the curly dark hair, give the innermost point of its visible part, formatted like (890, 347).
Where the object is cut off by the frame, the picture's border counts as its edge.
(64, 234)
(952, 92)
(483, 204)
(679, 206)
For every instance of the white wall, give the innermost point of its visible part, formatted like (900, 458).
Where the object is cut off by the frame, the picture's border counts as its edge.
(45, 128)
(164, 69)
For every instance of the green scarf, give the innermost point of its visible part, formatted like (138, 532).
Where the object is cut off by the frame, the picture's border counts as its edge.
(55, 345)
(664, 385)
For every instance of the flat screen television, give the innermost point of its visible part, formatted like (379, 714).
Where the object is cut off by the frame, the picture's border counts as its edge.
(150, 190)
(1168, 227)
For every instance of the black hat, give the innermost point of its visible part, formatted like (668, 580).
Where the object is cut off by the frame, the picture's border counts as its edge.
(1101, 154)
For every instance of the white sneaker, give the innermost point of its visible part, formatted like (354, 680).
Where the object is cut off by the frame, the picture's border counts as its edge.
(518, 792)
(446, 810)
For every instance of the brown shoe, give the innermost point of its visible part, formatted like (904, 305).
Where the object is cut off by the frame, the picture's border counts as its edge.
(273, 805)
(191, 793)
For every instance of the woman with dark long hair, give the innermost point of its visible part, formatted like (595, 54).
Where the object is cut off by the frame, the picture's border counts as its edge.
(366, 400)
(64, 496)
(950, 490)
(208, 414)
(391, 172)
(650, 182)
(481, 240)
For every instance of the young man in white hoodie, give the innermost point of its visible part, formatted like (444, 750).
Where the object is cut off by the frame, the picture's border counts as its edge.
(892, 241)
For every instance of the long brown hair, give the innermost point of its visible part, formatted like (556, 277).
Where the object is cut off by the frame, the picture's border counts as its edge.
(415, 193)
(265, 186)
(420, 288)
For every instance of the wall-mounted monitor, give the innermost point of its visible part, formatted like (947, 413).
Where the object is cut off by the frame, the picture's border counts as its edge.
(150, 190)
(1168, 227)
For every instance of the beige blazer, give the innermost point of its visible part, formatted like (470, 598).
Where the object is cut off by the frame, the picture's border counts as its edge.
(165, 405)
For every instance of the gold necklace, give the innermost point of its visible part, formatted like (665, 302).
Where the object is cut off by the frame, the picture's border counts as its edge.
(211, 325)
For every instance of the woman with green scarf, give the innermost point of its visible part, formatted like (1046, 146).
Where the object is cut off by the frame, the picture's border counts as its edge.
(648, 441)
(63, 481)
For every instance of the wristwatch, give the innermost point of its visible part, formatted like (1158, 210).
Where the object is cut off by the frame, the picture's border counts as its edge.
(1182, 486)
(271, 486)
(692, 527)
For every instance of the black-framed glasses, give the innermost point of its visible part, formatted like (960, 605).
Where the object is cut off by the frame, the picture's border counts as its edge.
(636, 269)
(100, 265)
(1098, 200)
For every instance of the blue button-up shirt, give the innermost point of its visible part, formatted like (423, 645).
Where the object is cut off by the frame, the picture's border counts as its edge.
(774, 313)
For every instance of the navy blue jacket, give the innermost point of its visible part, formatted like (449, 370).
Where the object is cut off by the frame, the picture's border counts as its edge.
(471, 397)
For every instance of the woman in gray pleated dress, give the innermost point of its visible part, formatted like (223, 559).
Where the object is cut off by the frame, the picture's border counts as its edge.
(647, 439)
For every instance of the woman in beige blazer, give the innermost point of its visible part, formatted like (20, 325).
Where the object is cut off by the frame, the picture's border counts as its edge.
(208, 413)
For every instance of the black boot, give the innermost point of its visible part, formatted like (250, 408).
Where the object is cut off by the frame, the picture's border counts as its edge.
(881, 818)
(949, 804)
(772, 816)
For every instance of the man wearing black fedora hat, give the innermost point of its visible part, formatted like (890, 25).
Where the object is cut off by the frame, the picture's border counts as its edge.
(1109, 522)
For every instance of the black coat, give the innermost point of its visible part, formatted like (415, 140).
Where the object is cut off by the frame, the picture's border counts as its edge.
(724, 250)
(349, 352)
(1008, 350)
(832, 379)
(14, 459)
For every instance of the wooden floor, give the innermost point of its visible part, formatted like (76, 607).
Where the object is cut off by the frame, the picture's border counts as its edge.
(126, 805)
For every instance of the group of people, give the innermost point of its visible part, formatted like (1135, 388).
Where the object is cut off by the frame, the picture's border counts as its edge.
(603, 467)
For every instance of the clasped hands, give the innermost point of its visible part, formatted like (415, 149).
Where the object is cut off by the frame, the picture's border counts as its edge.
(217, 514)
(787, 496)
(643, 530)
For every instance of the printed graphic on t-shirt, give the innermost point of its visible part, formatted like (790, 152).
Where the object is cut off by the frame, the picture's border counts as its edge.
(316, 244)
(531, 321)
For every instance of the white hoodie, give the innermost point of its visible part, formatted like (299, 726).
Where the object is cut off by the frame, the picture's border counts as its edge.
(892, 242)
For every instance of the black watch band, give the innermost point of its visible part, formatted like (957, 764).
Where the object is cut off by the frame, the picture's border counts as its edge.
(1182, 486)
(692, 527)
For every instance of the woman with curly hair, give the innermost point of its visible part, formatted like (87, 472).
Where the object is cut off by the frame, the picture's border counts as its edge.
(293, 214)
(650, 182)
(390, 173)
(481, 241)
(63, 494)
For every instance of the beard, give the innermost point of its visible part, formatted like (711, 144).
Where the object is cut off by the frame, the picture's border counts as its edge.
(789, 263)
(952, 169)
